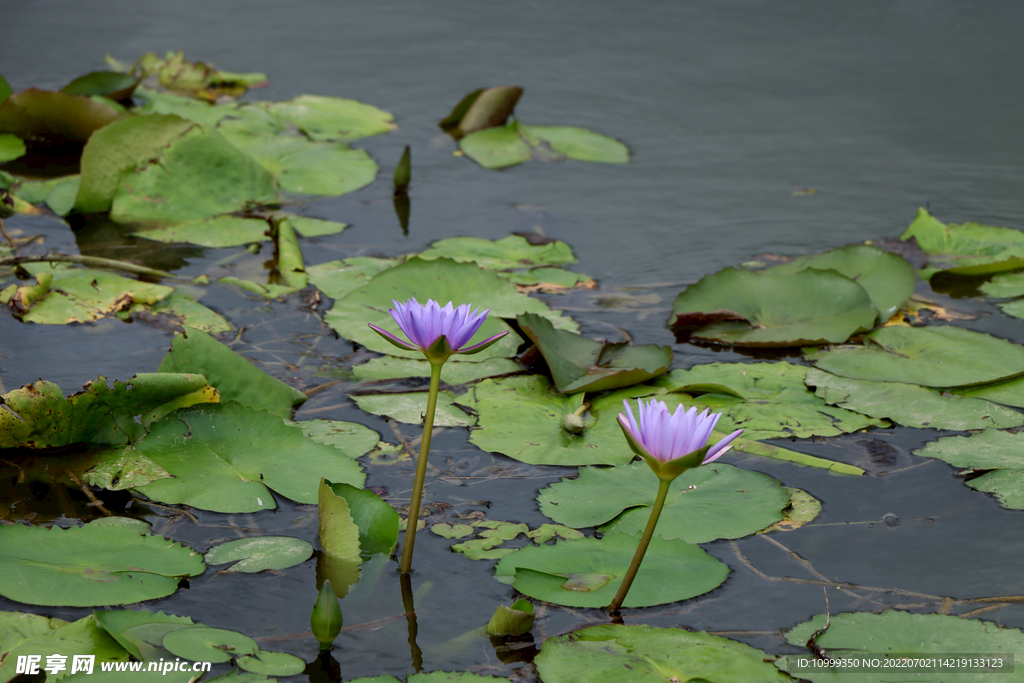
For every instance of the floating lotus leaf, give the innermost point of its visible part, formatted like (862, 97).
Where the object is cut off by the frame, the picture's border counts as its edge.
(766, 400)
(744, 308)
(58, 194)
(515, 143)
(802, 508)
(315, 227)
(579, 143)
(1004, 286)
(332, 118)
(128, 627)
(11, 147)
(480, 109)
(219, 231)
(614, 653)
(29, 634)
(410, 408)
(942, 356)
(39, 416)
(508, 253)
(110, 84)
(375, 519)
(495, 148)
(336, 279)
(911, 405)
(205, 644)
(578, 364)
(511, 621)
(198, 79)
(442, 280)
(337, 531)
(968, 249)
(351, 438)
(198, 111)
(119, 148)
(181, 309)
(855, 634)
(704, 504)
(90, 565)
(251, 555)
(236, 378)
(1008, 393)
(593, 569)
(224, 456)
(389, 367)
(887, 278)
(38, 114)
(198, 175)
(122, 469)
(550, 279)
(306, 167)
(1002, 452)
(272, 663)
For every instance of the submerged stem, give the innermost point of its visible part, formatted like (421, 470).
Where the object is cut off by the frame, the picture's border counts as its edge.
(421, 469)
(641, 550)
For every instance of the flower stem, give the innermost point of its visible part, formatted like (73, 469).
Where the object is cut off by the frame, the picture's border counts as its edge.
(421, 469)
(641, 550)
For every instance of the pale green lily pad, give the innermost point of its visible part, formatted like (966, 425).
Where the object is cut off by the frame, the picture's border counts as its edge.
(887, 278)
(911, 405)
(968, 249)
(11, 147)
(205, 644)
(578, 364)
(740, 307)
(58, 194)
(306, 167)
(272, 663)
(198, 111)
(117, 470)
(941, 356)
(224, 456)
(390, 367)
(332, 118)
(315, 227)
(219, 231)
(615, 653)
(512, 252)
(515, 143)
(499, 147)
(855, 634)
(375, 519)
(452, 531)
(445, 677)
(442, 280)
(351, 438)
(1004, 286)
(549, 278)
(24, 634)
(547, 532)
(410, 408)
(511, 621)
(704, 504)
(765, 400)
(251, 555)
(184, 310)
(198, 175)
(672, 570)
(338, 278)
(236, 378)
(494, 534)
(39, 416)
(268, 290)
(141, 632)
(802, 508)
(1002, 452)
(118, 148)
(90, 565)
(579, 143)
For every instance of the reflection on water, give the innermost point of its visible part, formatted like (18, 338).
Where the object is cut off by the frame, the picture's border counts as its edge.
(725, 107)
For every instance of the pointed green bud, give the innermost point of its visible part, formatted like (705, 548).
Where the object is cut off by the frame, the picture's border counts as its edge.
(326, 620)
(511, 621)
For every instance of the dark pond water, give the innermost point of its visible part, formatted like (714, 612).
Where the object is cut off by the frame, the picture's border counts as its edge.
(728, 108)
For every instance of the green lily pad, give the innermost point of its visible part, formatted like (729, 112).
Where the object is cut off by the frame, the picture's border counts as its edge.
(579, 143)
(515, 143)
(205, 644)
(547, 532)
(306, 167)
(111, 84)
(411, 407)
(121, 469)
(766, 400)
(351, 438)
(336, 279)
(578, 364)
(744, 308)
(235, 377)
(1004, 286)
(236, 676)
(452, 531)
(390, 367)
(893, 632)
(499, 147)
(332, 118)
(224, 456)
(802, 508)
(442, 677)
(941, 356)
(219, 231)
(511, 252)
(549, 279)
(119, 148)
(198, 175)
(704, 504)
(128, 627)
(887, 278)
(442, 280)
(511, 621)
(252, 555)
(39, 416)
(376, 520)
(182, 309)
(28, 634)
(494, 533)
(672, 570)
(34, 114)
(11, 147)
(199, 79)
(90, 565)
(315, 227)
(968, 249)
(990, 450)
(911, 405)
(272, 663)
(58, 194)
(197, 111)
(269, 290)
(614, 653)
(338, 532)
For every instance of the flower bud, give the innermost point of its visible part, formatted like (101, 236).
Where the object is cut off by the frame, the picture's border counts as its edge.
(573, 423)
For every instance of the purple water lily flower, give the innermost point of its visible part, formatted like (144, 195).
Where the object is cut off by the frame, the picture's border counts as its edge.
(437, 331)
(663, 438)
